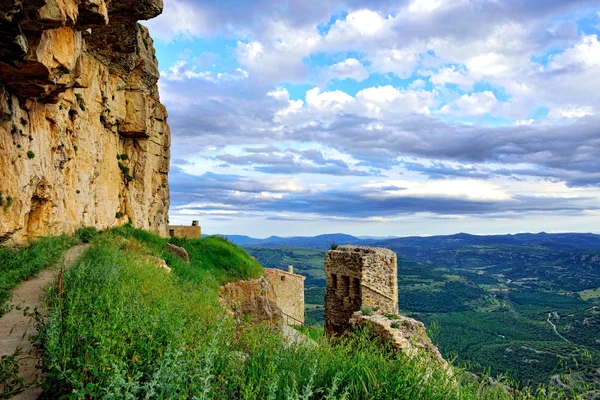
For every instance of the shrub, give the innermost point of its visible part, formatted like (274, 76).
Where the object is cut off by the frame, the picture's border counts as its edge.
(395, 325)
(366, 310)
(30, 154)
(392, 316)
(125, 170)
(75, 148)
(87, 233)
(119, 214)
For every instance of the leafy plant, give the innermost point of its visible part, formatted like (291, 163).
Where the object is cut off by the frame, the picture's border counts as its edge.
(395, 325)
(30, 154)
(366, 310)
(10, 381)
(392, 316)
(119, 214)
(87, 233)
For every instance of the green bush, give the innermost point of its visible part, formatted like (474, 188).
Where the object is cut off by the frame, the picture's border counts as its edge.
(30, 154)
(119, 214)
(86, 234)
(366, 310)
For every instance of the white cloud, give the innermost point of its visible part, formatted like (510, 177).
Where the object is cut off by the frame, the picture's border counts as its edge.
(328, 103)
(474, 104)
(350, 68)
(179, 18)
(399, 62)
(428, 6)
(181, 70)
(452, 75)
(586, 54)
(570, 112)
(384, 101)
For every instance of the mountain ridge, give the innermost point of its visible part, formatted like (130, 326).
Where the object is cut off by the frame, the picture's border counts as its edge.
(575, 240)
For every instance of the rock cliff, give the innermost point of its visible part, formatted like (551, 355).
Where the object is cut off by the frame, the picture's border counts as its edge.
(404, 335)
(84, 139)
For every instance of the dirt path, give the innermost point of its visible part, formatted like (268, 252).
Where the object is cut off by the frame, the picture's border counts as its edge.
(555, 330)
(16, 326)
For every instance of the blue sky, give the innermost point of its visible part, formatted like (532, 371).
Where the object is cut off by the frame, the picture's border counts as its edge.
(410, 117)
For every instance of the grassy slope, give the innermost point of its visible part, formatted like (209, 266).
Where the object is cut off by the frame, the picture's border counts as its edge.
(123, 328)
(19, 264)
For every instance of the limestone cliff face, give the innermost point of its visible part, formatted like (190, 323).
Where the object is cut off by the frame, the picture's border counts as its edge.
(84, 139)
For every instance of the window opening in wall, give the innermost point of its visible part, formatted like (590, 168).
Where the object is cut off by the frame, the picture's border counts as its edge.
(172, 232)
(283, 278)
(345, 289)
(334, 281)
(355, 287)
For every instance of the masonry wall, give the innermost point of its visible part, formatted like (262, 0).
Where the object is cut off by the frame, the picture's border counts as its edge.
(358, 276)
(289, 292)
(191, 232)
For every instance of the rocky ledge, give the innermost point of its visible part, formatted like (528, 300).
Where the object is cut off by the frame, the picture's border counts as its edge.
(84, 139)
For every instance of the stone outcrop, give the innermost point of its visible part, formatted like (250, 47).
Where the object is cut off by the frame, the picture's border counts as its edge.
(178, 252)
(84, 140)
(252, 299)
(405, 335)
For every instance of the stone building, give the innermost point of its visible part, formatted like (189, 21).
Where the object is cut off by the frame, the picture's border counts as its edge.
(182, 231)
(358, 276)
(289, 292)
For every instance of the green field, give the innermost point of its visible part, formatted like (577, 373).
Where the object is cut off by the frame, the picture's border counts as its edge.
(489, 306)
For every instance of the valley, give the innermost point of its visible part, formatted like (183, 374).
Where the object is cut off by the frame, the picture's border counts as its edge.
(527, 309)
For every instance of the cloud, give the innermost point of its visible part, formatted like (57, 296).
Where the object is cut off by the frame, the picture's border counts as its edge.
(310, 103)
(474, 104)
(376, 200)
(350, 68)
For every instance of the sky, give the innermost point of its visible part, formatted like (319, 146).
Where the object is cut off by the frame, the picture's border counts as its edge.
(382, 118)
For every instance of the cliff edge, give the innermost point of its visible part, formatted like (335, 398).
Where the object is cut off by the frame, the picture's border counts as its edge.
(84, 139)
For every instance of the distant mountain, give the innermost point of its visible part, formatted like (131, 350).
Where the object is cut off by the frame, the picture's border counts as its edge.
(315, 242)
(581, 241)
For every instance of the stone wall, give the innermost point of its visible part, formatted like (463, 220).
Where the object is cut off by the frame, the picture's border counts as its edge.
(252, 299)
(84, 139)
(289, 292)
(183, 231)
(358, 276)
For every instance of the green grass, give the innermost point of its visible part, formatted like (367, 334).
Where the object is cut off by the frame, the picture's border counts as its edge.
(19, 264)
(123, 328)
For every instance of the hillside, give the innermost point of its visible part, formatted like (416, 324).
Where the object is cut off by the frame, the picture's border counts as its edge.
(491, 305)
(174, 340)
(117, 326)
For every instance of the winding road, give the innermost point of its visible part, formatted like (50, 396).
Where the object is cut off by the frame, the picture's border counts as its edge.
(556, 331)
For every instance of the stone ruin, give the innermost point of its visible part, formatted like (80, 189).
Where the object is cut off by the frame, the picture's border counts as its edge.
(358, 276)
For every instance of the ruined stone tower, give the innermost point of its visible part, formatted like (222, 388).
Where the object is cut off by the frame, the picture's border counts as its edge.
(358, 276)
